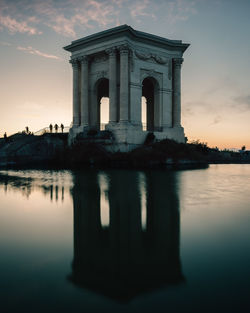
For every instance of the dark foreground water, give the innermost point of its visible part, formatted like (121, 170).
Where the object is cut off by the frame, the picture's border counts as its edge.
(125, 241)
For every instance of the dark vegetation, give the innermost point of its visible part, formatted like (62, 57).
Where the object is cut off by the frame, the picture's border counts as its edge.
(51, 149)
(165, 153)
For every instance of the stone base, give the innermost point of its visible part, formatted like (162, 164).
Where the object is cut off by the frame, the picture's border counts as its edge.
(128, 136)
(112, 126)
(74, 131)
(174, 133)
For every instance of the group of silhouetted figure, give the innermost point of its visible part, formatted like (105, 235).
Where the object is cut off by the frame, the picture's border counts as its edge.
(56, 127)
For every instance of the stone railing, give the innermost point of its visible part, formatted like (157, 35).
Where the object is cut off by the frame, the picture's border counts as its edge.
(47, 130)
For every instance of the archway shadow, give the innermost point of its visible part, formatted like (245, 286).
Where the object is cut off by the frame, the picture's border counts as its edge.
(150, 90)
(135, 248)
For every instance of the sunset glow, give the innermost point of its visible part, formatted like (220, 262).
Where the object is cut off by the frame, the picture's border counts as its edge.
(36, 78)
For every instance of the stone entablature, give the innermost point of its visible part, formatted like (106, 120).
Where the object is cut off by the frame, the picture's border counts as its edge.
(124, 65)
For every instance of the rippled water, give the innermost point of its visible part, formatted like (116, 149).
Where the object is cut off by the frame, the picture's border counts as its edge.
(125, 241)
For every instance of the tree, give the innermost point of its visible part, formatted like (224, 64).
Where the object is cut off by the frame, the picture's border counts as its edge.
(27, 130)
(243, 148)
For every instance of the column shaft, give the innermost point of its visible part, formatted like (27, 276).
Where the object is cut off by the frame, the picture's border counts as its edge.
(177, 92)
(76, 106)
(124, 84)
(84, 92)
(112, 86)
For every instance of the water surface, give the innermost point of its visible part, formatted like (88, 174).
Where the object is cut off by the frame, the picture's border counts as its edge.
(125, 241)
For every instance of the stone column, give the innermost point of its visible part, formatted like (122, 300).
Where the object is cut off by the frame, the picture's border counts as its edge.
(177, 92)
(76, 103)
(84, 91)
(112, 85)
(167, 120)
(124, 84)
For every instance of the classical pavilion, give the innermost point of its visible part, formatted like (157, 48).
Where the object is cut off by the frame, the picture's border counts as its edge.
(125, 65)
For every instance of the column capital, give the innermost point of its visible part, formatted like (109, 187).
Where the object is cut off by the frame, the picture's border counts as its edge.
(178, 61)
(124, 49)
(74, 62)
(83, 59)
(111, 51)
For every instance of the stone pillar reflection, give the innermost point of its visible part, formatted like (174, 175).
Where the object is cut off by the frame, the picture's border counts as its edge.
(177, 92)
(84, 91)
(124, 83)
(76, 102)
(112, 85)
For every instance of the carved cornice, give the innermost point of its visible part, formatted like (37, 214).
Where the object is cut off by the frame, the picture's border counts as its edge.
(150, 56)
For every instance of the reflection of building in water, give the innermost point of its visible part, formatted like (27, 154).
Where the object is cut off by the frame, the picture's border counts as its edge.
(126, 232)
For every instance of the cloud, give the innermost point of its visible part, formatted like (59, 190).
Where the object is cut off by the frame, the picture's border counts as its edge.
(15, 26)
(216, 120)
(68, 17)
(242, 102)
(37, 52)
(139, 8)
(188, 111)
(65, 19)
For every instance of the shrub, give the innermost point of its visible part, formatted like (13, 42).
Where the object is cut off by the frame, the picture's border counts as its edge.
(149, 139)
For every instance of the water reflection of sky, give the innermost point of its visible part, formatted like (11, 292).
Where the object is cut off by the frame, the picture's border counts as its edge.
(61, 230)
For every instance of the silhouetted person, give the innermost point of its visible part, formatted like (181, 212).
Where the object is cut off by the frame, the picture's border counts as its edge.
(56, 128)
(50, 128)
(62, 127)
(5, 136)
(27, 130)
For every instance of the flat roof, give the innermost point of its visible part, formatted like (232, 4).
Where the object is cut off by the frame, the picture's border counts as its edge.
(131, 33)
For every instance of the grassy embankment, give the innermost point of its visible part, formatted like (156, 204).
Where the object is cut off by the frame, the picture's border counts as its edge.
(52, 150)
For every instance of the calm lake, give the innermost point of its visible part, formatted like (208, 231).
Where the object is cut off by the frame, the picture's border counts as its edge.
(125, 241)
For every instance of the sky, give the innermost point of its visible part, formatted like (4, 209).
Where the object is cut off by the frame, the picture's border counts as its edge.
(36, 77)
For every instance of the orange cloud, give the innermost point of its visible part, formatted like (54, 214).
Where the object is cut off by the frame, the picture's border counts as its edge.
(37, 52)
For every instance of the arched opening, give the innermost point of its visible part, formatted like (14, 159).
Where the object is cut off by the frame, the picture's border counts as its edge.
(150, 104)
(102, 102)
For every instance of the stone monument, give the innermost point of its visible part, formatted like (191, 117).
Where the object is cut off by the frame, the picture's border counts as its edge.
(125, 65)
